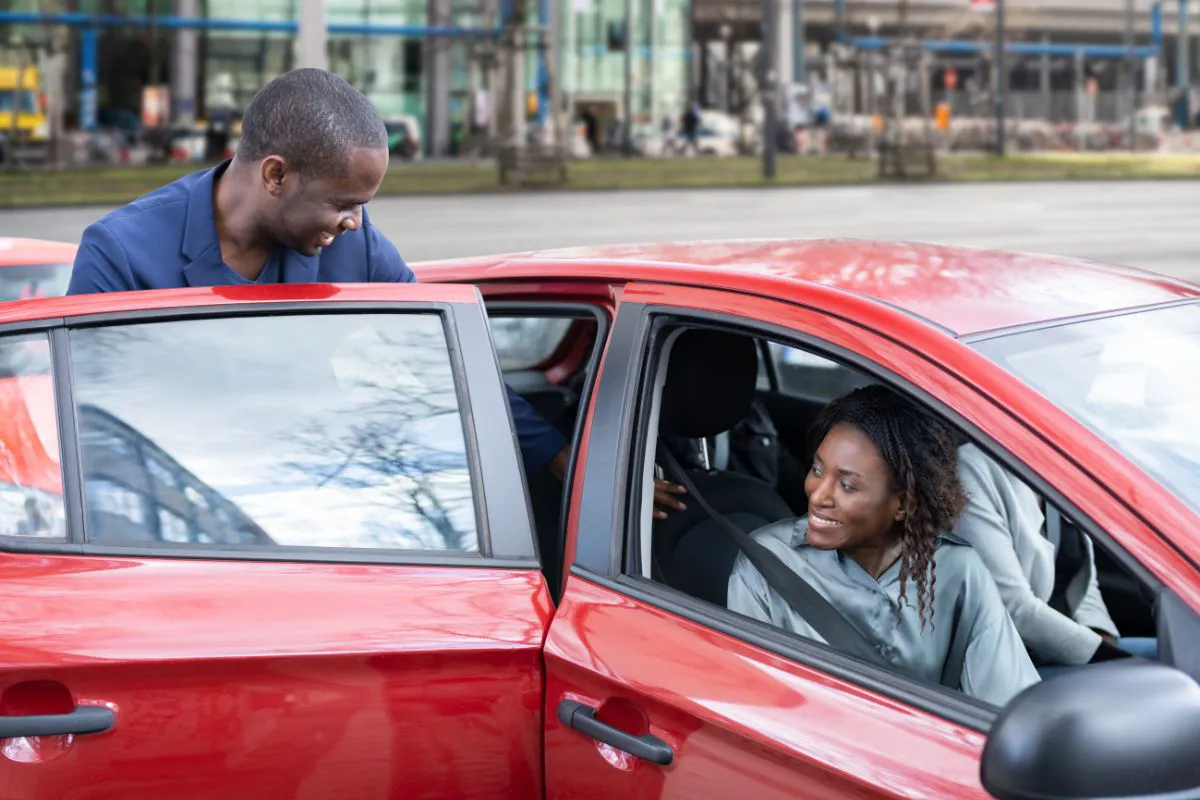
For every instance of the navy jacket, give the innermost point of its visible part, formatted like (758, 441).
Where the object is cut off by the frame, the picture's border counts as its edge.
(168, 239)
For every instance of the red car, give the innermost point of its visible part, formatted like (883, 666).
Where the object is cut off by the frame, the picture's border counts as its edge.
(277, 541)
(34, 268)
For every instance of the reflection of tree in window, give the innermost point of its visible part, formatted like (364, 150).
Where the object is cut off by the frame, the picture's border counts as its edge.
(400, 435)
(332, 430)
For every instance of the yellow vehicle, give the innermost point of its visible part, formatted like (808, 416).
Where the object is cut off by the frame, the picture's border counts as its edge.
(33, 126)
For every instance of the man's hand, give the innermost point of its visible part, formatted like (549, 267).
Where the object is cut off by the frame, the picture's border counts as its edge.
(558, 464)
(664, 498)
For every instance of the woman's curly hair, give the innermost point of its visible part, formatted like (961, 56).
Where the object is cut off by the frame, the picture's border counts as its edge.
(922, 455)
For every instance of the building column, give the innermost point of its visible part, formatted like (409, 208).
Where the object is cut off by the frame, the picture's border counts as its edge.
(436, 52)
(183, 65)
(1044, 82)
(785, 57)
(1183, 70)
(310, 39)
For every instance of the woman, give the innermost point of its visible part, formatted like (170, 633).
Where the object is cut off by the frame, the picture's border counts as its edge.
(883, 492)
(1046, 572)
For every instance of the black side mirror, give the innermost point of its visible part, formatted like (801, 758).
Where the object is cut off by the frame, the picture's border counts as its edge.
(1122, 729)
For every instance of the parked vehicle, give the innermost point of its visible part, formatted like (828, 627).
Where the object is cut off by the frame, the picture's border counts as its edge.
(406, 615)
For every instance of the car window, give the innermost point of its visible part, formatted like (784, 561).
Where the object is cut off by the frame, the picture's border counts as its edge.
(525, 342)
(804, 374)
(31, 502)
(336, 430)
(37, 280)
(1131, 379)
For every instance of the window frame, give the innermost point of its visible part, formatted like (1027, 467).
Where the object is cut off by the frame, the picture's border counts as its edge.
(613, 561)
(604, 327)
(503, 517)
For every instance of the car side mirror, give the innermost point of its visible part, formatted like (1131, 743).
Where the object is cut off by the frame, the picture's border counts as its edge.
(1120, 729)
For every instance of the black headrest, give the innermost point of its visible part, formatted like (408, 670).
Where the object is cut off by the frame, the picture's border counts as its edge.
(710, 383)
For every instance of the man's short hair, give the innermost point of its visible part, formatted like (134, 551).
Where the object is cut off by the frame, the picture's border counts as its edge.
(311, 118)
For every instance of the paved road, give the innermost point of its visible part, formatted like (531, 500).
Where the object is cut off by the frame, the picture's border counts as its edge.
(1155, 225)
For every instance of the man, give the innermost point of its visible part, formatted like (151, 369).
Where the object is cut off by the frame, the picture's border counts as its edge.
(288, 208)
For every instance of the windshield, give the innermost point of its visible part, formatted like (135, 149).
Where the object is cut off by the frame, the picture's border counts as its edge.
(40, 280)
(1134, 379)
(28, 102)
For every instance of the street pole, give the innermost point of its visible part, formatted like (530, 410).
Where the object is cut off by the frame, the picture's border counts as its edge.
(770, 36)
(1183, 72)
(1001, 79)
(627, 128)
(799, 43)
(1130, 75)
(311, 35)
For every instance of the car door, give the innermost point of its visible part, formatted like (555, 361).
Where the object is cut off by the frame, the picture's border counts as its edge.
(264, 542)
(653, 693)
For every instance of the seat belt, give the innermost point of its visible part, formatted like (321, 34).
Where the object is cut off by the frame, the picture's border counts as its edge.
(806, 601)
(721, 451)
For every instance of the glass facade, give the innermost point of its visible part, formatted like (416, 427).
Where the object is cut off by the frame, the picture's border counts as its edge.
(390, 64)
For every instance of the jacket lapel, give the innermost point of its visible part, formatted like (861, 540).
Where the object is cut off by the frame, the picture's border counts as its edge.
(200, 246)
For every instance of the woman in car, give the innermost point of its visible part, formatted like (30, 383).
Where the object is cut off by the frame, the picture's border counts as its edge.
(1045, 570)
(883, 494)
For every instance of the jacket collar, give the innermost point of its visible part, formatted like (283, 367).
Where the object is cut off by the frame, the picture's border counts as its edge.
(203, 250)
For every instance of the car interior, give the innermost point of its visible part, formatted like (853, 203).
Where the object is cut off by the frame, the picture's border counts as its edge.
(707, 382)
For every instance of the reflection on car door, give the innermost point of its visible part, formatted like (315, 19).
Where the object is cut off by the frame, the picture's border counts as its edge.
(635, 666)
(238, 607)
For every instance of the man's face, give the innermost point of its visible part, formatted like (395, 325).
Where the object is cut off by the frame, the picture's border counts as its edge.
(315, 210)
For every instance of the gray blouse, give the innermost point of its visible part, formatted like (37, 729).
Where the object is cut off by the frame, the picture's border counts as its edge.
(996, 666)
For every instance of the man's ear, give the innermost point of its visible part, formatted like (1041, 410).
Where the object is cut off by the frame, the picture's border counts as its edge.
(274, 171)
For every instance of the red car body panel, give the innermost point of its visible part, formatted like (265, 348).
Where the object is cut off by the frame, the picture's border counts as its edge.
(743, 722)
(234, 679)
(960, 289)
(29, 433)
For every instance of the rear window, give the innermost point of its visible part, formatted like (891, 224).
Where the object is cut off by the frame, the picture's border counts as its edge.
(35, 280)
(525, 342)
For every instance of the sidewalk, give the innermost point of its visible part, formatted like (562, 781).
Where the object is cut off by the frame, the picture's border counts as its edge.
(114, 186)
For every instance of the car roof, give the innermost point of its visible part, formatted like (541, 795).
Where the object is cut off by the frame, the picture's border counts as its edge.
(18, 252)
(963, 290)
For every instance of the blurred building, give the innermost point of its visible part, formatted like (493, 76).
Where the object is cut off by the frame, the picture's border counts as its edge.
(436, 61)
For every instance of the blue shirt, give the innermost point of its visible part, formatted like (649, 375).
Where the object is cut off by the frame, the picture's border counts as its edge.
(168, 239)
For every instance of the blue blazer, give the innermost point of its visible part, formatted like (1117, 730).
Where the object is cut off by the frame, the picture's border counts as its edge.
(168, 239)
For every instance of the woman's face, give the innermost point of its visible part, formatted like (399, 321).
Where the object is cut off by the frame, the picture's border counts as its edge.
(853, 502)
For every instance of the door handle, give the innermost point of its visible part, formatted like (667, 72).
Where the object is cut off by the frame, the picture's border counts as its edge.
(582, 718)
(84, 719)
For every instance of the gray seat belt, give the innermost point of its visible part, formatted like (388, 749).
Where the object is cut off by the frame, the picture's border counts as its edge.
(721, 451)
(1053, 526)
(806, 601)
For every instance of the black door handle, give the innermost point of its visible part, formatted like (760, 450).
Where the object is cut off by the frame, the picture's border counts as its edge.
(582, 718)
(84, 719)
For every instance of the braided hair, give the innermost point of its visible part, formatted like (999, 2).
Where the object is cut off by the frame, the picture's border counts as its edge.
(921, 453)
